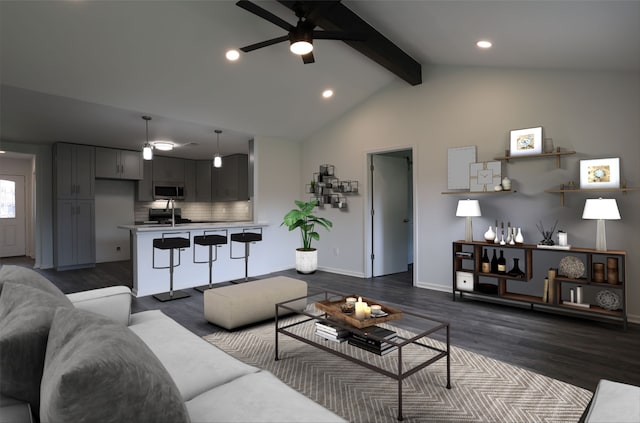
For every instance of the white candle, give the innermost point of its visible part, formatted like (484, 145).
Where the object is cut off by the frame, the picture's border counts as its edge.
(360, 309)
(367, 312)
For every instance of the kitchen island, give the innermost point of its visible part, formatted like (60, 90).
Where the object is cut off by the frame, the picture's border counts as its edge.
(149, 281)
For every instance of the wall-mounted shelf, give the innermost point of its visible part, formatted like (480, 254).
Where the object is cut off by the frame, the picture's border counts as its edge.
(562, 191)
(557, 154)
(504, 191)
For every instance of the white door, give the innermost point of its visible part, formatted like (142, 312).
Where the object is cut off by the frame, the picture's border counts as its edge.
(390, 215)
(12, 216)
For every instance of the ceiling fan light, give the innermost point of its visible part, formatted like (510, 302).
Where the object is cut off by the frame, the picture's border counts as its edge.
(147, 152)
(163, 145)
(217, 161)
(301, 47)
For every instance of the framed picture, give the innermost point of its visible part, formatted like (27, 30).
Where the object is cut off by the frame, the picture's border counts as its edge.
(525, 142)
(484, 176)
(459, 159)
(600, 173)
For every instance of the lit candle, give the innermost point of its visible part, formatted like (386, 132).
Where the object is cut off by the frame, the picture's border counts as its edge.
(360, 309)
(367, 312)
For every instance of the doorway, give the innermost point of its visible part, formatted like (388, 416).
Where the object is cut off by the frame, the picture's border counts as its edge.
(391, 210)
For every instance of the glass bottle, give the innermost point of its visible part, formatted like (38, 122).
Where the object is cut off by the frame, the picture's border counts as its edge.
(486, 264)
(502, 263)
(516, 272)
(494, 262)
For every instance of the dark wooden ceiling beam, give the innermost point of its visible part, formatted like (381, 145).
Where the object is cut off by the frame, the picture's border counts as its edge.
(334, 16)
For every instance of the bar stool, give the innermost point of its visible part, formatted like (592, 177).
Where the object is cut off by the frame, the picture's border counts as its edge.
(209, 239)
(171, 244)
(246, 238)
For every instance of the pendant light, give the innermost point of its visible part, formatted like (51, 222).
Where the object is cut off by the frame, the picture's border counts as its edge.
(147, 150)
(217, 159)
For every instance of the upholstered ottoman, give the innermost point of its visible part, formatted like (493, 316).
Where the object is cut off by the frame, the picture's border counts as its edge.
(238, 305)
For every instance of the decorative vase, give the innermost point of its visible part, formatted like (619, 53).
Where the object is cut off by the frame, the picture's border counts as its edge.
(516, 272)
(519, 237)
(489, 236)
(547, 145)
(512, 237)
(506, 183)
(306, 261)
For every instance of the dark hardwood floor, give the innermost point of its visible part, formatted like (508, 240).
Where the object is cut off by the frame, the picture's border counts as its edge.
(571, 349)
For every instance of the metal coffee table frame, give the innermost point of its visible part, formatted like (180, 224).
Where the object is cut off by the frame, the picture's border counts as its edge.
(401, 342)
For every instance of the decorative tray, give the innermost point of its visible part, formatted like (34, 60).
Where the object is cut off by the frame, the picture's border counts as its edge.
(333, 309)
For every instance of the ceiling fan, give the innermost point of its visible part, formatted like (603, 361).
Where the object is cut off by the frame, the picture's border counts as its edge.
(301, 35)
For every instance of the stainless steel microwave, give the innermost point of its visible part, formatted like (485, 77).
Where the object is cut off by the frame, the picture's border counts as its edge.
(168, 191)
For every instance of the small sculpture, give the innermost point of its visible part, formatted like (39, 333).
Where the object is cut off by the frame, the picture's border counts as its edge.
(547, 236)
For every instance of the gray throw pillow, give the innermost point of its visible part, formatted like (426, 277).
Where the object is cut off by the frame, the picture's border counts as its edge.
(100, 371)
(26, 314)
(29, 277)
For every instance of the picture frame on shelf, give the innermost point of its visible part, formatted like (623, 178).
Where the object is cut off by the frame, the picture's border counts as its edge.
(526, 142)
(484, 176)
(600, 173)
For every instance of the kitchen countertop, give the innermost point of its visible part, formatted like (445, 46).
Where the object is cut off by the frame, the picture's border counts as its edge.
(192, 226)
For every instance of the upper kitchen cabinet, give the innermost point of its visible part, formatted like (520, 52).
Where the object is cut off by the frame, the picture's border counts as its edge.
(203, 180)
(231, 181)
(144, 191)
(190, 188)
(74, 171)
(168, 169)
(112, 163)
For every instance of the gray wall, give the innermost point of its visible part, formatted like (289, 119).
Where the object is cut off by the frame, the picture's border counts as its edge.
(593, 113)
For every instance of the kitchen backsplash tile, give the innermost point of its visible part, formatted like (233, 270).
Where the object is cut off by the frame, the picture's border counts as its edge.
(227, 211)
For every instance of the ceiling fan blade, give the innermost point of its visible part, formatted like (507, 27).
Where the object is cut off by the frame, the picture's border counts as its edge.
(266, 43)
(308, 58)
(265, 14)
(337, 35)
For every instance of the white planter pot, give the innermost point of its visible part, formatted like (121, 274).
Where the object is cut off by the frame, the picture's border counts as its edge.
(306, 261)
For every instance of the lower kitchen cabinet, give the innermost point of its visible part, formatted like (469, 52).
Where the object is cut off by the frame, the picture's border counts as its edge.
(75, 237)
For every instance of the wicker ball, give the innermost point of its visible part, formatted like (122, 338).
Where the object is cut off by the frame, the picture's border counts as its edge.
(571, 267)
(608, 300)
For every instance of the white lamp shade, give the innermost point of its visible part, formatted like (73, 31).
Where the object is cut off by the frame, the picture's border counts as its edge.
(163, 145)
(217, 161)
(606, 209)
(147, 152)
(468, 208)
(301, 47)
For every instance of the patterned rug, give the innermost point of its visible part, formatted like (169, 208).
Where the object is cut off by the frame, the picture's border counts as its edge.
(482, 389)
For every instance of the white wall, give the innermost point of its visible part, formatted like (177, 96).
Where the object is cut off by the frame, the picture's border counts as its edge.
(113, 207)
(593, 113)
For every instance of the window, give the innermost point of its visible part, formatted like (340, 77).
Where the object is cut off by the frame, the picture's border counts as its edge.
(7, 199)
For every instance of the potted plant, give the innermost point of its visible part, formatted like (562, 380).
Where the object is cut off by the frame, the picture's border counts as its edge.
(304, 219)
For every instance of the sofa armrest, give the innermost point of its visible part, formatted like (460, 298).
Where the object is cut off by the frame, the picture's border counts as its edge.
(113, 302)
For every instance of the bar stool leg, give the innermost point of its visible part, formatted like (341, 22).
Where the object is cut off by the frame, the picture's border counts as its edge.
(210, 266)
(171, 275)
(246, 261)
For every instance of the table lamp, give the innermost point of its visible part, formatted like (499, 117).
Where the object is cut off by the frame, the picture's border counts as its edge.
(601, 210)
(468, 209)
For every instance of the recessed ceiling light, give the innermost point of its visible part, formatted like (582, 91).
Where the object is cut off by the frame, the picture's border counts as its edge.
(232, 55)
(327, 93)
(2, 152)
(484, 44)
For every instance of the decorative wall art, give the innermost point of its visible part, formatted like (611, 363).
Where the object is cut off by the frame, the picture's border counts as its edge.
(484, 176)
(600, 173)
(458, 160)
(526, 142)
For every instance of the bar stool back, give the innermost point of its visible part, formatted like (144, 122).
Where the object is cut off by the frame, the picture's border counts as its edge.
(210, 239)
(170, 243)
(246, 237)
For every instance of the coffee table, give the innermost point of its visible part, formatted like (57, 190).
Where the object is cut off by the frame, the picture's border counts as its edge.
(398, 370)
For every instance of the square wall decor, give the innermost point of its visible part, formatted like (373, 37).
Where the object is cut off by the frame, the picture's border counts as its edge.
(484, 176)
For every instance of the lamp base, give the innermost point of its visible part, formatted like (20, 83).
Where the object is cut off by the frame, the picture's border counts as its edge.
(601, 236)
(468, 235)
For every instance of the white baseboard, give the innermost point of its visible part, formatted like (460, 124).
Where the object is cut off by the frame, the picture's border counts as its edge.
(342, 272)
(433, 286)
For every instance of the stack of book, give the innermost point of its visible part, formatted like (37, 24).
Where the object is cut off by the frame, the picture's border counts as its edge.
(331, 332)
(372, 345)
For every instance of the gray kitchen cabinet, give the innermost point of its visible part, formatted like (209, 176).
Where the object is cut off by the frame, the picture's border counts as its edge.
(112, 163)
(74, 171)
(144, 189)
(75, 234)
(168, 170)
(231, 181)
(203, 180)
(190, 190)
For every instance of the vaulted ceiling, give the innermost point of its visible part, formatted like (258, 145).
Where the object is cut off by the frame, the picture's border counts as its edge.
(86, 71)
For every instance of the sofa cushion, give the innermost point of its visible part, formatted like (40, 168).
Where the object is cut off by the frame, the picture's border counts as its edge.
(97, 370)
(26, 276)
(25, 318)
(614, 402)
(193, 363)
(258, 397)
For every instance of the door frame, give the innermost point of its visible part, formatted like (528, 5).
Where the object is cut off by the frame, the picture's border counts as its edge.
(368, 219)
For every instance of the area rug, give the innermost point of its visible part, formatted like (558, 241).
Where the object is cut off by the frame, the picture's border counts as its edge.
(482, 389)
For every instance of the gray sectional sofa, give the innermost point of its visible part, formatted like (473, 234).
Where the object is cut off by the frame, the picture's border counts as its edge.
(84, 358)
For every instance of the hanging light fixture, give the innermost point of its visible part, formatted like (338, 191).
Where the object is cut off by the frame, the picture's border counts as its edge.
(147, 150)
(217, 159)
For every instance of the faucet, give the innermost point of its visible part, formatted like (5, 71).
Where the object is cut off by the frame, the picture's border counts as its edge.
(173, 211)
